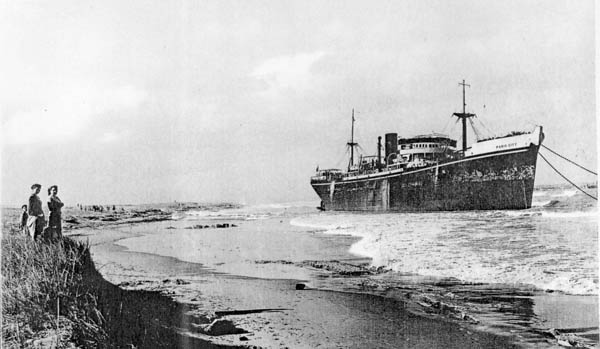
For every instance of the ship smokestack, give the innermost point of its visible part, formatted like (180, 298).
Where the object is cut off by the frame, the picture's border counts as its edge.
(379, 153)
(391, 145)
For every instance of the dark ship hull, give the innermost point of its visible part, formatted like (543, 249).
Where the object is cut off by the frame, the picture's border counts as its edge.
(489, 181)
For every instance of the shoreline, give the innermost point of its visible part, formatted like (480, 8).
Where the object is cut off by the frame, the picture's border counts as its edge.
(290, 317)
(270, 322)
(438, 299)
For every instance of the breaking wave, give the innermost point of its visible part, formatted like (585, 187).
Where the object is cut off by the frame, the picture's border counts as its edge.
(526, 248)
(327, 228)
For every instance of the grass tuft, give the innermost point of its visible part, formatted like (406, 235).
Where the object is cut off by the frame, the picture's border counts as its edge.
(44, 296)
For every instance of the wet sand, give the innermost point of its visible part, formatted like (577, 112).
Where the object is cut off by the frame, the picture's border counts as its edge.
(338, 309)
(272, 312)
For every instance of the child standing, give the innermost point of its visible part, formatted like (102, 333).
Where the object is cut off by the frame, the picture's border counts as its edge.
(24, 217)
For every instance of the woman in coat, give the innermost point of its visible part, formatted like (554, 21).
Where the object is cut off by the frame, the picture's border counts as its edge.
(54, 219)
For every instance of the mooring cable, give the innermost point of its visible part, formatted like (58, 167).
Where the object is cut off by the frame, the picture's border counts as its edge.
(569, 160)
(573, 184)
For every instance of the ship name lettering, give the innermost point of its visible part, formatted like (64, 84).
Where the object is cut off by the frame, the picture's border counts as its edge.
(502, 146)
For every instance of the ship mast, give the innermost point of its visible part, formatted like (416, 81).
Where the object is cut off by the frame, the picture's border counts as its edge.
(464, 116)
(352, 144)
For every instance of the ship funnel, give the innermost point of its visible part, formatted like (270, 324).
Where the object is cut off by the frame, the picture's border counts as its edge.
(379, 153)
(391, 146)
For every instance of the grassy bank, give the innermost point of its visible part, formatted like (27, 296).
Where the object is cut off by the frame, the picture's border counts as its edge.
(45, 298)
(53, 296)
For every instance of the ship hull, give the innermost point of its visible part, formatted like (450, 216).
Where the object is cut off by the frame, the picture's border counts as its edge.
(496, 181)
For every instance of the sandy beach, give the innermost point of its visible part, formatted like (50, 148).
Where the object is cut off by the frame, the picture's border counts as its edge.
(343, 304)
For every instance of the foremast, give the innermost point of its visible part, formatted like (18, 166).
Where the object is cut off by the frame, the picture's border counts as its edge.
(352, 144)
(464, 116)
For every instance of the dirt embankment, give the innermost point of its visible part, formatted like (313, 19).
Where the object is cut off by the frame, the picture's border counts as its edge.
(75, 306)
(144, 319)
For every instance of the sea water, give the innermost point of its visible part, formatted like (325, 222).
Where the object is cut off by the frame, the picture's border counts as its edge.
(552, 246)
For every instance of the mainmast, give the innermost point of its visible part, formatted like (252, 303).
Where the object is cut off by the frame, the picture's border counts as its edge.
(464, 116)
(352, 144)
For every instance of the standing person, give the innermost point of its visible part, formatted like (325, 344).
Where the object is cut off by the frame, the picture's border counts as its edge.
(36, 220)
(54, 218)
(24, 216)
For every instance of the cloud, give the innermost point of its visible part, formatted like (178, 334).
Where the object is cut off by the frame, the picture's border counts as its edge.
(68, 116)
(287, 72)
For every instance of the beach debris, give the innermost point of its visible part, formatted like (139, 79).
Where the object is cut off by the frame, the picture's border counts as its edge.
(218, 225)
(280, 261)
(566, 339)
(71, 219)
(243, 338)
(109, 218)
(220, 327)
(248, 311)
(197, 226)
(468, 318)
(564, 343)
(368, 285)
(176, 281)
(300, 286)
(424, 304)
(134, 283)
(447, 309)
(338, 267)
(379, 270)
(427, 300)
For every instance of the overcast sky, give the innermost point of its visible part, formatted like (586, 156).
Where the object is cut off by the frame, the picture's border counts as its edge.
(148, 101)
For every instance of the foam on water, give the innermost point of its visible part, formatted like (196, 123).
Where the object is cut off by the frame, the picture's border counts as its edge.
(540, 203)
(255, 212)
(565, 193)
(574, 214)
(333, 228)
(545, 248)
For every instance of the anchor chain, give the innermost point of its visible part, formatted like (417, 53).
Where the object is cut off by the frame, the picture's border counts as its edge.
(573, 184)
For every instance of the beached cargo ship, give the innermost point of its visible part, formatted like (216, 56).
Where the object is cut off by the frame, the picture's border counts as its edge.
(429, 173)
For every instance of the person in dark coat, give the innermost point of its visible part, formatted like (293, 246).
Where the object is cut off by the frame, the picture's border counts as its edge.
(36, 220)
(54, 219)
(24, 216)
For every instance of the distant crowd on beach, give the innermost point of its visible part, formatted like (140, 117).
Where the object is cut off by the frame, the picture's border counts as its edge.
(98, 208)
(33, 220)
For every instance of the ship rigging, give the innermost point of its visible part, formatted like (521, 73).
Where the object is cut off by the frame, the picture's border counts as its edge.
(428, 172)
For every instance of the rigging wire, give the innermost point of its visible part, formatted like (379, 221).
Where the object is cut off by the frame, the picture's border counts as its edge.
(491, 134)
(590, 171)
(341, 158)
(447, 123)
(474, 129)
(573, 184)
